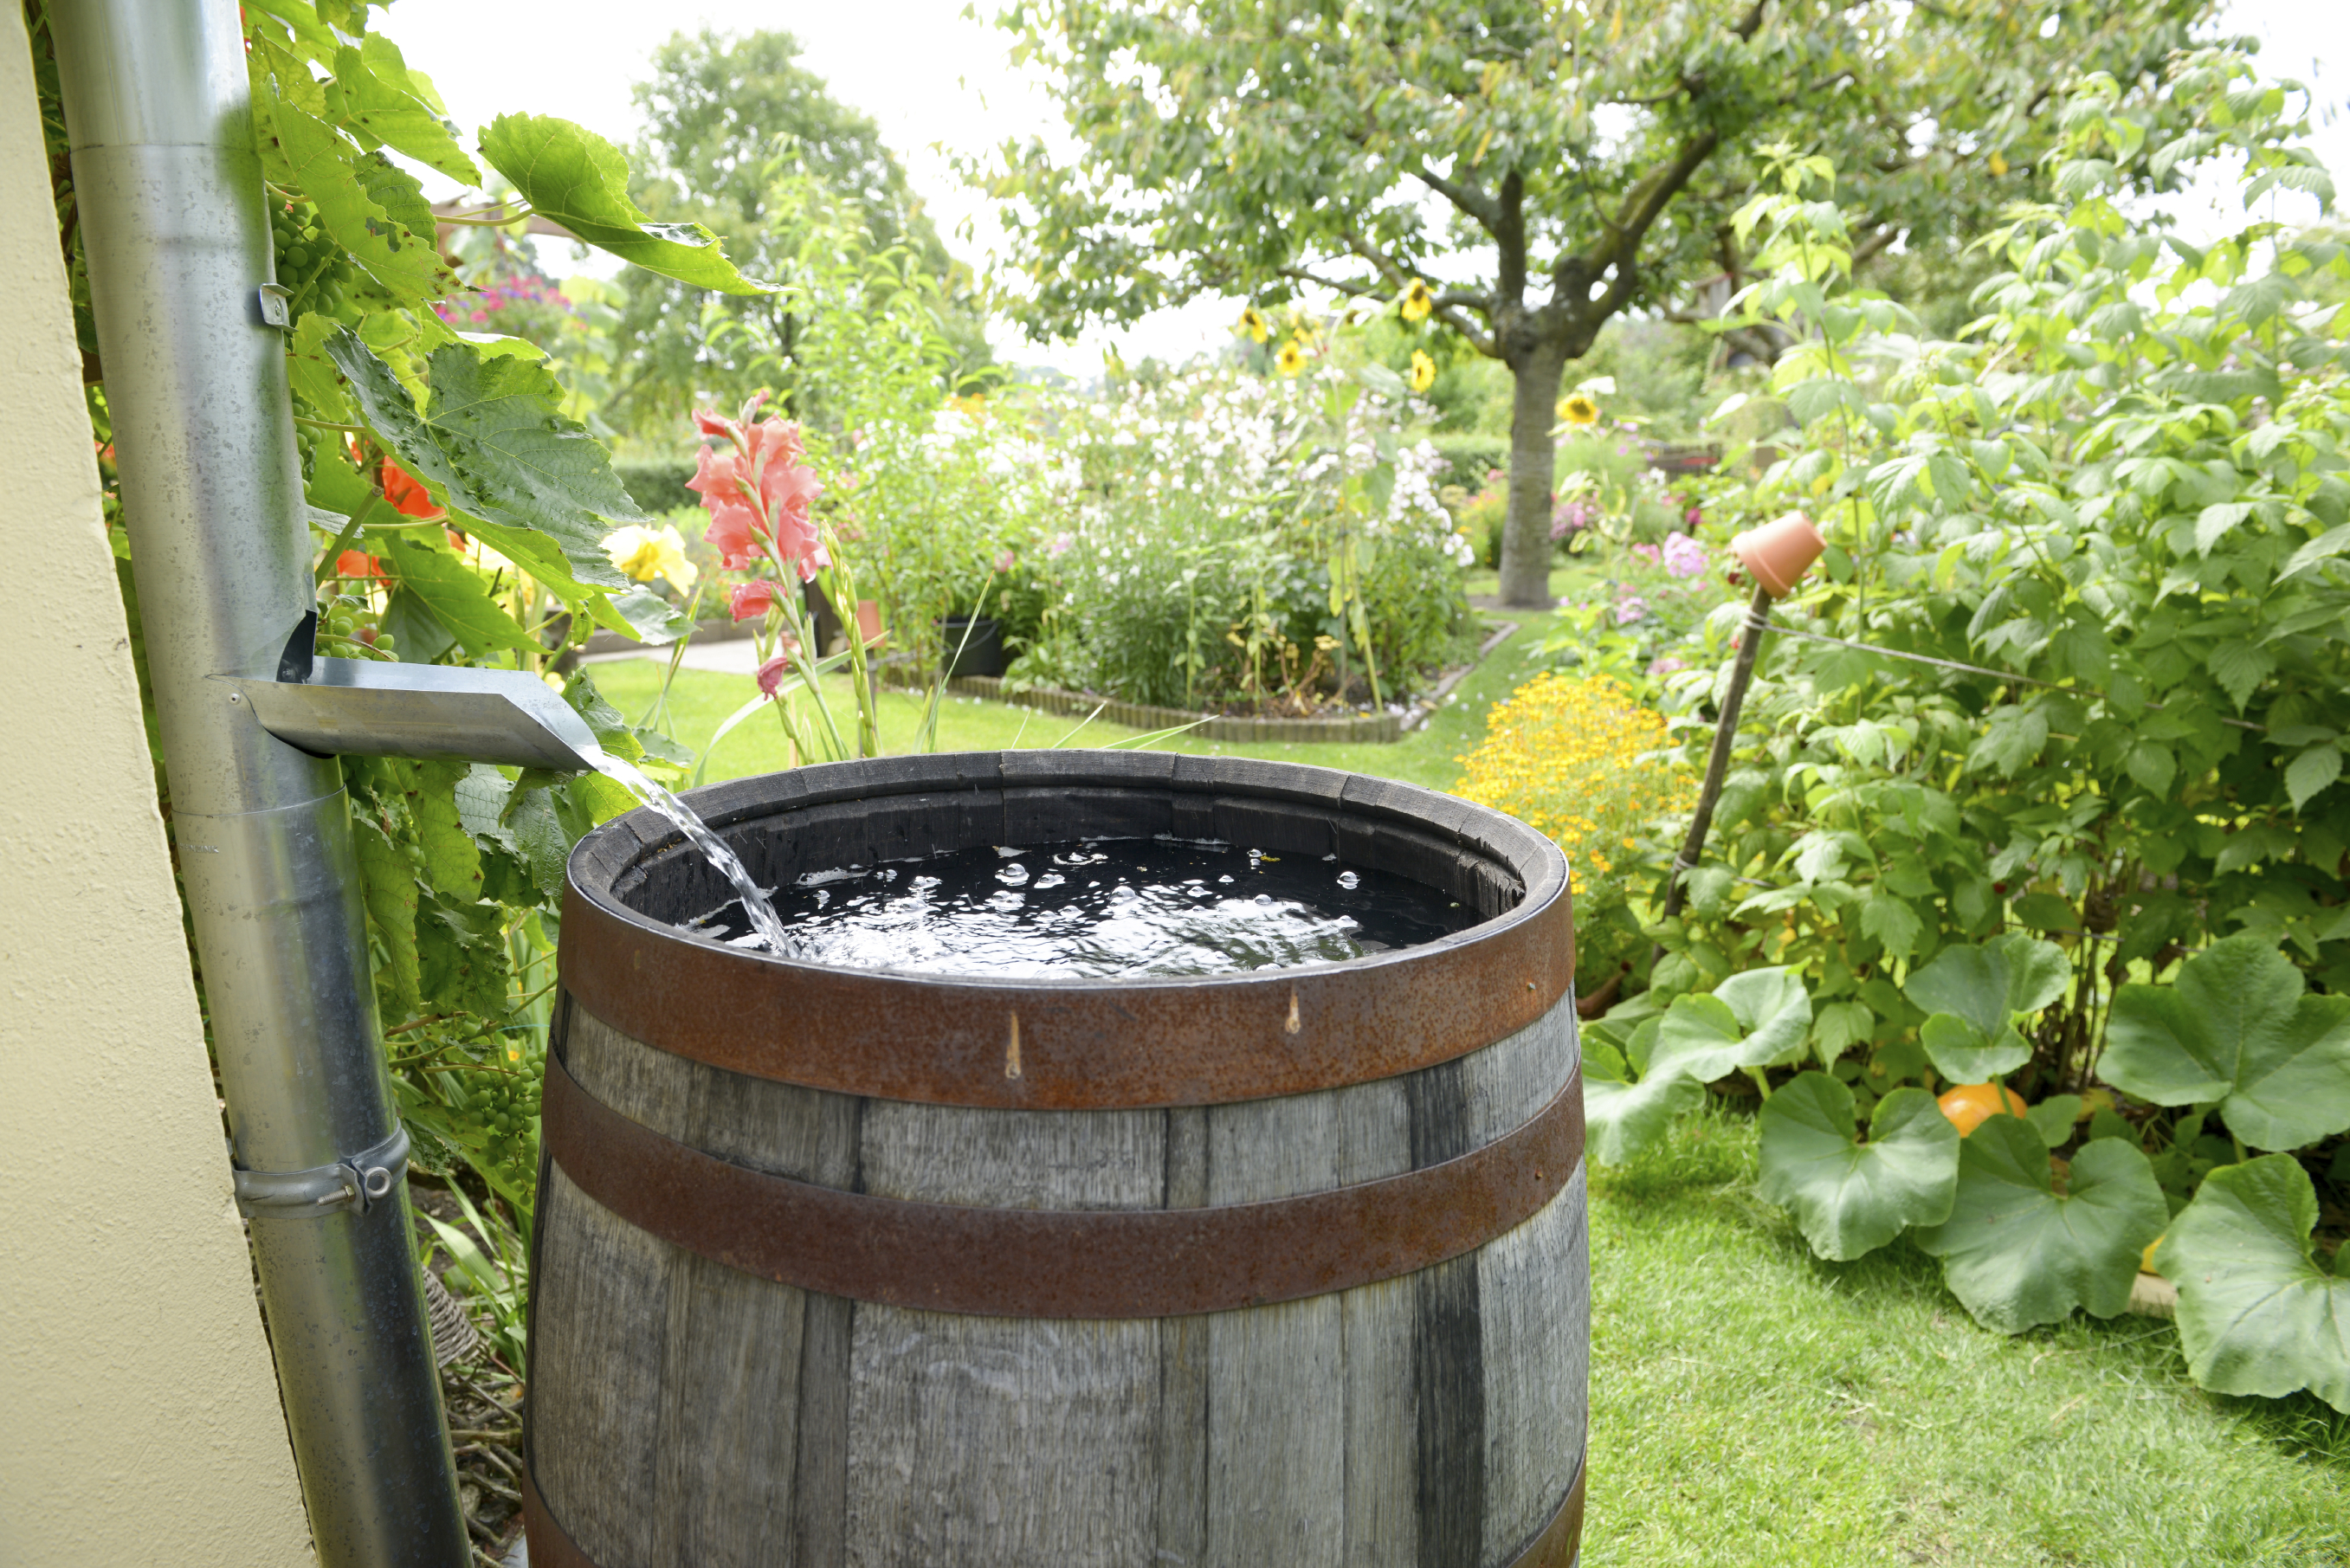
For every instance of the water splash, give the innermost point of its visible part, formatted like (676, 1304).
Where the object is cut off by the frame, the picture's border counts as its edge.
(763, 920)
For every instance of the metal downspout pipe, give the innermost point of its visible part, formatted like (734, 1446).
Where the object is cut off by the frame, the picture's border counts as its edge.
(174, 226)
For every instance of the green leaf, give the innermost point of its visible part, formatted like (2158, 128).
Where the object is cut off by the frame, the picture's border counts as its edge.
(1758, 1019)
(642, 614)
(2017, 1254)
(1621, 1119)
(397, 107)
(2055, 1117)
(453, 863)
(408, 264)
(2312, 772)
(417, 631)
(496, 447)
(1892, 923)
(2257, 1314)
(579, 180)
(387, 886)
(461, 953)
(1964, 1055)
(2236, 1029)
(1839, 1026)
(1987, 984)
(1850, 1198)
(455, 592)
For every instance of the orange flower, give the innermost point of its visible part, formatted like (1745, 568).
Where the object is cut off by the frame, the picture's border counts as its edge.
(407, 492)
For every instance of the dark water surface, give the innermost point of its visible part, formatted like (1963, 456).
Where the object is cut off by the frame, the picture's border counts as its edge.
(1110, 906)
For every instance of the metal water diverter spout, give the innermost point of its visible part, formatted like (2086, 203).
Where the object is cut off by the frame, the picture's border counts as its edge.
(169, 194)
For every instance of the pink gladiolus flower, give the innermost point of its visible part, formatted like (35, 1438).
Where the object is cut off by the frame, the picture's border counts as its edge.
(759, 496)
(750, 600)
(772, 673)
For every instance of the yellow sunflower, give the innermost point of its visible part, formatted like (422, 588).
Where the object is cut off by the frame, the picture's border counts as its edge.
(1577, 409)
(1423, 371)
(1291, 357)
(1418, 300)
(1253, 324)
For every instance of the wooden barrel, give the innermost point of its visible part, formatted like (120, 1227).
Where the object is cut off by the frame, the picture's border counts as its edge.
(853, 1267)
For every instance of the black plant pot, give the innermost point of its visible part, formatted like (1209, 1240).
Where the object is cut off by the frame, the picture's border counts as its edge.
(981, 653)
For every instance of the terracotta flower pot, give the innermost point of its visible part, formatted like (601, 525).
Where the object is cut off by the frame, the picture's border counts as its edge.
(869, 622)
(1778, 553)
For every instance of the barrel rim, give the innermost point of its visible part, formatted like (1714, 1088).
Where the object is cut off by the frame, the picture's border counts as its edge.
(1069, 1043)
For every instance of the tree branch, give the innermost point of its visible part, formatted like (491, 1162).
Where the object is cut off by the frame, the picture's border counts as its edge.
(1468, 198)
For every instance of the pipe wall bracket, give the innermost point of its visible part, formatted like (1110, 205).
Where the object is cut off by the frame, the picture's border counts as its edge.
(357, 1181)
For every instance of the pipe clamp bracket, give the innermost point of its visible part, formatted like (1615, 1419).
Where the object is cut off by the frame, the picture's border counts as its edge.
(357, 1181)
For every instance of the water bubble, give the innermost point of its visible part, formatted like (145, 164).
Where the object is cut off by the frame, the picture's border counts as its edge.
(1348, 880)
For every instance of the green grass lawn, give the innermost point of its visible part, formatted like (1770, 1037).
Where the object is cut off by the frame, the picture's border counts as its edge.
(1751, 1404)
(699, 701)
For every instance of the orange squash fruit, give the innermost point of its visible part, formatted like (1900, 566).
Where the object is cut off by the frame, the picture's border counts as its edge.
(1971, 1104)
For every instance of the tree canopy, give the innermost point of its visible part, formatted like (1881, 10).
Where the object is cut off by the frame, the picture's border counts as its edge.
(1545, 167)
(739, 135)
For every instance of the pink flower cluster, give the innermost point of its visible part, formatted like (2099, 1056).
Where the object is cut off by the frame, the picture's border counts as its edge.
(483, 303)
(1684, 557)
(1572, 517)
(760, 500)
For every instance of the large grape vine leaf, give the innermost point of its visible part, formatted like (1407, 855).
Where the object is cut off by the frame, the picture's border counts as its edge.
(1972, 996)
(2018, 1253)
(2236, 1030)
(1761, 1018)
(494, 447)
(323, 167)
(1850, 1198)
(2257, 1312)
(578, 179)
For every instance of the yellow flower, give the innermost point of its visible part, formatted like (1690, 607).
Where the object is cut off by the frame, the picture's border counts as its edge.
(1998, 164)
(640, 553)
(1417, 301)
(1253, 324)
(1577, 409)
(1291, 357)
(1423, 371)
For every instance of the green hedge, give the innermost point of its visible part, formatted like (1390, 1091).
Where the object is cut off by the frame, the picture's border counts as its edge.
(657, 485)
(1470, 458)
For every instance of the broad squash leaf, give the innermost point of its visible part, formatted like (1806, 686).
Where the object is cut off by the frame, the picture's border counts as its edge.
(1850, 1198)
(1974, 996)
(1622, 1115)
(1757, 1019)
(2257, 1314)
(2238, 1031)
(580, 181)
(2017, 1254)
(496, 447)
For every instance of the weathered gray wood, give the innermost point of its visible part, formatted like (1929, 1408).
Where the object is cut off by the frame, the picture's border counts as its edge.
(1276, 1398)
(686, 1414)
(1375, 1325)
(602, 1289)
(1004, 1439)
(1180, 1447)
(1535, 1286)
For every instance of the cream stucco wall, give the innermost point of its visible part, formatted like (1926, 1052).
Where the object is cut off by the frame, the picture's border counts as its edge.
(138, 1415)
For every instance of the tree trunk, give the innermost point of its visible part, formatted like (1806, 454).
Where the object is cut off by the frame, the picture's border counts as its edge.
(1533, 462)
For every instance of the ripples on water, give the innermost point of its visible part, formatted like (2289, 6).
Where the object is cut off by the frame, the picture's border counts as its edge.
(1106, 907)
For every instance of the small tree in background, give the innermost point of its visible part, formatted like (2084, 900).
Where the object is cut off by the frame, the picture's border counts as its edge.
(1576, 160)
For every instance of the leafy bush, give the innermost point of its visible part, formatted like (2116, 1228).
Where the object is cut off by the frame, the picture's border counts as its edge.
(1262, 543)
(2099, 852)
(658, 485)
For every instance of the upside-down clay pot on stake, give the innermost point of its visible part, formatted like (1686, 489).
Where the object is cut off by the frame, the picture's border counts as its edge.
(1777, 554)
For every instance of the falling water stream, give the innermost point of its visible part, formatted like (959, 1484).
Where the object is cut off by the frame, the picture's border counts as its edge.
(763, 920)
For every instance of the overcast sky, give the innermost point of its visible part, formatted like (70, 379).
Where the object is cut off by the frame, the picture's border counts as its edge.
(938, 82)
